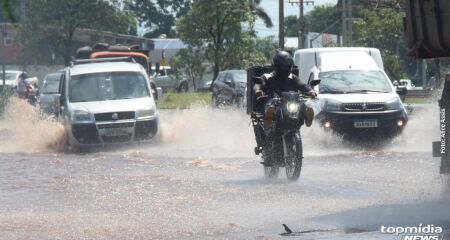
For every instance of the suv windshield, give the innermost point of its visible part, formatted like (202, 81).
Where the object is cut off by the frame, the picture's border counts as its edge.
(240, 76)
(107, 86)
(353, 82)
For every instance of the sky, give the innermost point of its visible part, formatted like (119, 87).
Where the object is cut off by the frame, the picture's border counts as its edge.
(271, 7)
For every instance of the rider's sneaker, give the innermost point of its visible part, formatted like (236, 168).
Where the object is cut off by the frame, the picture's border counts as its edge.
(269, 116)
(309, 116)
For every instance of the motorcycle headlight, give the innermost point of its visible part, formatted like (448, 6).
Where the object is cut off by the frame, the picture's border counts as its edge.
(145, 113)
(81, 116)
(292, 107)
(332, 105)
(394, 104)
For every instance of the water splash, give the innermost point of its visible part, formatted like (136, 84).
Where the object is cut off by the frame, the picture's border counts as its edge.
(24, 128)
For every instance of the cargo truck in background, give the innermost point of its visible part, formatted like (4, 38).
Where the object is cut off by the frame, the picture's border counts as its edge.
(427, 30)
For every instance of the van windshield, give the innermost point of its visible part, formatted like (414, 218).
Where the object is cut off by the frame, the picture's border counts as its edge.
(354, 82)
(107, 86)
(51, 85)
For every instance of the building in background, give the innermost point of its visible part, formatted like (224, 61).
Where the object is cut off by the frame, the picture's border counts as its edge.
(315, 40)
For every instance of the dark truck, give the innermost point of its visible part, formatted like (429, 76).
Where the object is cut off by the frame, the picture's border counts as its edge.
(427, 29)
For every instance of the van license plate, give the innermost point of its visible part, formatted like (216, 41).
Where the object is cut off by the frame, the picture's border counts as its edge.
(112, 132)
(369, 123)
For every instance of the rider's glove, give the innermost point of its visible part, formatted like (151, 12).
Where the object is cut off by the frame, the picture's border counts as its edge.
(312, 93)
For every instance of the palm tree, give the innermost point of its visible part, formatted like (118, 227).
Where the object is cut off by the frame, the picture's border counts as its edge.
(260, 13)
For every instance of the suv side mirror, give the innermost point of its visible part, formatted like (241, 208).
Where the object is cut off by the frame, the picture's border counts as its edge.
(314, 79)
(228, 82)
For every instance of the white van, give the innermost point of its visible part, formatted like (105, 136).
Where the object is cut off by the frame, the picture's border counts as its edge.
(106, 101)
(355, 94)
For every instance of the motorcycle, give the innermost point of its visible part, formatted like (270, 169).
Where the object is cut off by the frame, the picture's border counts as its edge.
(278, 133)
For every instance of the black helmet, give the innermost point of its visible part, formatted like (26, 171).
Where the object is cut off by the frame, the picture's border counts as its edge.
(283, 63)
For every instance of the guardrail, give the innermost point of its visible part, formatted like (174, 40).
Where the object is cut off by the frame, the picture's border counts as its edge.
(419, 94)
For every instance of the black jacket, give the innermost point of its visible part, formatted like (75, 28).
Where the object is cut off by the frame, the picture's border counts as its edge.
(271, 84)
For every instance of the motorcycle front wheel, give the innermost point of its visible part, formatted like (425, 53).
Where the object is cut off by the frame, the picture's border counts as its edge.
(293, 155)
(270, 172)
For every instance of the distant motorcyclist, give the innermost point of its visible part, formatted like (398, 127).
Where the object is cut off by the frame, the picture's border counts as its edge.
(281, 79)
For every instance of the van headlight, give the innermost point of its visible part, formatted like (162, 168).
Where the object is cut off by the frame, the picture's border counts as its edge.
(81, 116)
(144, 113)
(292, 107)
(394, 104)
(332, 105)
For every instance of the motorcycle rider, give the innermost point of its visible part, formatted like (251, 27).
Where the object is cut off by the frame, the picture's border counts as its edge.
(281, 79)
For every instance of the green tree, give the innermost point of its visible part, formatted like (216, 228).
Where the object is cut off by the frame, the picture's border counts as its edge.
(267, 47)
(158, 16)
(291, 26)
(53, 23)
(217, 27)
(383, 30)
(6, 13)
(260, 12)
(323, 16)
(190, 61)
(317, 20)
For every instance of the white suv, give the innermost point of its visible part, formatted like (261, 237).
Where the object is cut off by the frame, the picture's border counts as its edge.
(106, 101)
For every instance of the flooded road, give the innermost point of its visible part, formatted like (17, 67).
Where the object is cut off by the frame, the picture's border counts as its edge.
(202, 181)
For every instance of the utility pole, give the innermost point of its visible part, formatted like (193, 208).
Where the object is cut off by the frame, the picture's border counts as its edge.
(281, 24)
(301, 20)
(23, 34)
(350, 23)
(3, 56)
(344, 23)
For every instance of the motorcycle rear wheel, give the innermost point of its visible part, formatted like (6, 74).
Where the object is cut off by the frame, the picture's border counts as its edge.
(293, 155)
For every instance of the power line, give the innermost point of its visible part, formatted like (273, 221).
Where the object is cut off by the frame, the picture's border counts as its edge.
(301, 21)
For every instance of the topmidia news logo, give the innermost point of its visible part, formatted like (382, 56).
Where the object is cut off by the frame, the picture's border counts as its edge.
(421, 232)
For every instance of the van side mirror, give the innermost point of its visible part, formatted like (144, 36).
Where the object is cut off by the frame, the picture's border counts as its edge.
(57, 105)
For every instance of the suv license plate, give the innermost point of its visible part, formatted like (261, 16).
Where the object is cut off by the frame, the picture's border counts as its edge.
(113, 132)
(369, 123)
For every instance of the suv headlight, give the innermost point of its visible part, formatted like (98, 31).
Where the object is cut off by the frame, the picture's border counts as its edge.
(332, 105)
(394, 104)
(145, 113)
(81, 116)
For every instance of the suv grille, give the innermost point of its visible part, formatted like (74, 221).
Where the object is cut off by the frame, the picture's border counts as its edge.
(362, 107)
(100, 117)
